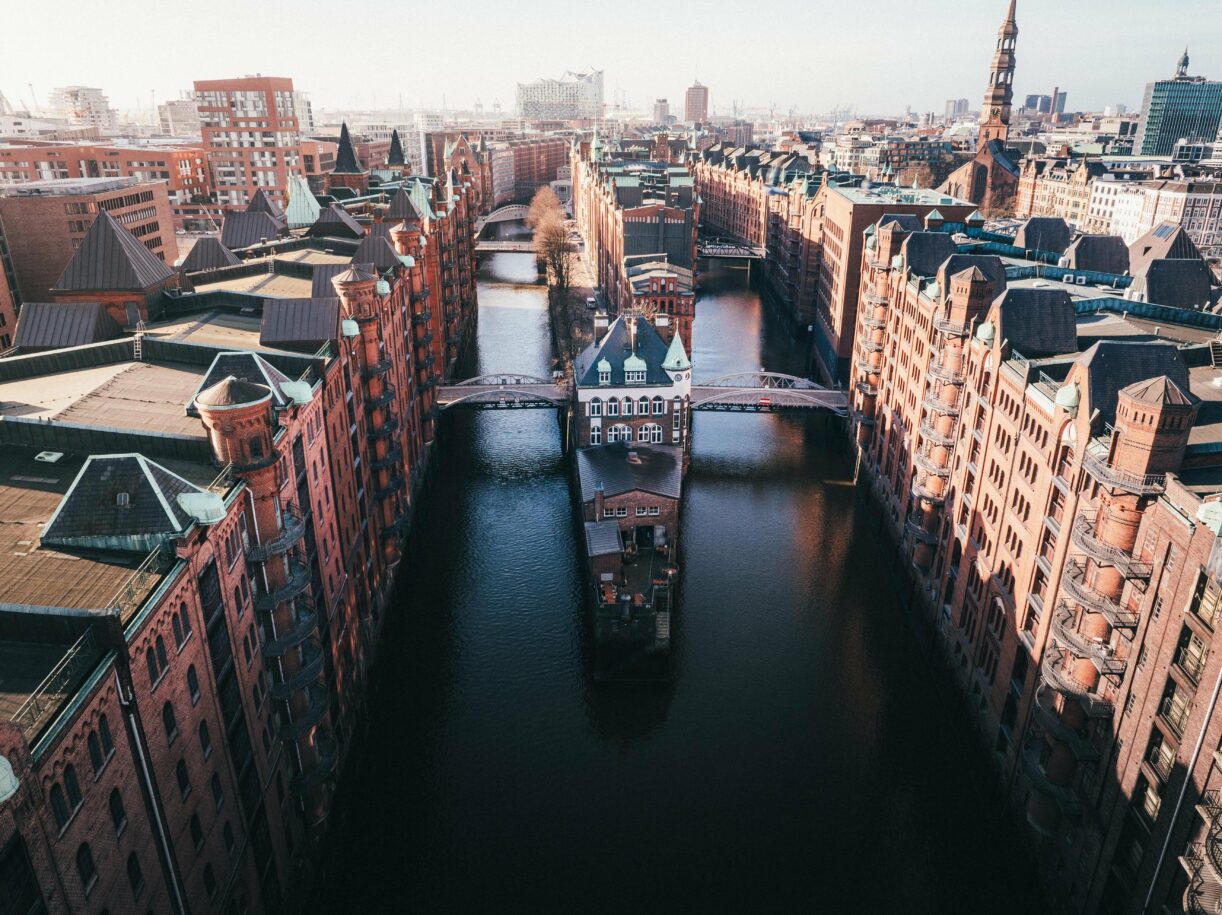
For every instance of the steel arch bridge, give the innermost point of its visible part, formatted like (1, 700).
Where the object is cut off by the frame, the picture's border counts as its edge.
(503, 214)
(504, 391)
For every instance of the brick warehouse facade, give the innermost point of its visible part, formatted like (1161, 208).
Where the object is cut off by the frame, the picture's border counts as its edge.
(213, 595)
(1050, 463)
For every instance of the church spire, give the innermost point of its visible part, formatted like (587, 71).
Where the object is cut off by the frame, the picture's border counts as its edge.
(998, 97)
(345, 156)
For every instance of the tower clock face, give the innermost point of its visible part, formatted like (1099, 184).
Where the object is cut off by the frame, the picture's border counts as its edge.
(996, 112)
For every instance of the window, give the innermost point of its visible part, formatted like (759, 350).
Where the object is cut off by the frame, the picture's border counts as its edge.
(118, 815)
(218, 793)
(604, 377)
(108, 745)
(193, 684)
(641, 511)
(163, 660)
(596, 407)
(613, 408)
(95, 753)
(73, 787)
(197, 832)
(227, 835)
(637, 377)
(659, 406)
(85, 869)
(185, 619)
(178, 637)
(596, 435)
(205, 739)
(170, 722)
(184, 780)
(655, 510)
(134, 875)
(59, 807)
(619, 433)
(154, 672)
(627, 406)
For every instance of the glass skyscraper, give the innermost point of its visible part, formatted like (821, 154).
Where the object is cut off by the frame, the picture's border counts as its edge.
(1186, 107)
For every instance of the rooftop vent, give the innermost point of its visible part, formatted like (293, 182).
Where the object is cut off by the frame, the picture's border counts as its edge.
(48, 457)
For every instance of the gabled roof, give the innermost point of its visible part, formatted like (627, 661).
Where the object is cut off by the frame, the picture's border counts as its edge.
(238, 374)
(906, 221)
(1167, 239)
(345, 156)
(55, 325)
(1044, 233)
(336, 221)
(401, 208)
(1115, 364)
(376, 250)
(1160, 390)
(621, 468)
(261, 203)
(1036, 322)
(615, 348)
(303, 208)
(110, 259)
(241, 230)
(1101, 253)
(120, 502)
(1177, 282)
(300, 323)
(208, 254)
(990, 265)
(602, 538)
(924, 252)
(395, 155)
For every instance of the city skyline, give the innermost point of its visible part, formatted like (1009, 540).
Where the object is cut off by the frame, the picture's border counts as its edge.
(1103, 70)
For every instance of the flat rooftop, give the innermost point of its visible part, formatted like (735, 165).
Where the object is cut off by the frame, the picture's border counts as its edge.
(313, 256)
(56, 187)
(129, 396)
(271, 285)
(900, 196)
(213, 328)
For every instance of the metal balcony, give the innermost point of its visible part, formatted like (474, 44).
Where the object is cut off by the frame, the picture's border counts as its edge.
(860, 418)
(939, 371)
(388, 428)
(1203, 895)
(1101, 654)
(1067, 799)
(297, 583)
(933, 436)
(400, 523)
(1053, 674)
(392, 487)
(425, 341)
(309, 671)
(422, 386)
(937, 405)
(426, 361)
(1054, 726)
(929, 465)
(872, 322)
(914, 530)
(381, 367)
(949, 328)
(422, 318)
(380, 400)
(304, 625)
(320, 701)
(872, 346)
(1174, 715)
(328, 757)
(1084, 538)
(873, 298)
(925, 494)
(864, 387)
(1074, 584)
(291, 532)
(392, 458)
(1109, 475)
(863, 365)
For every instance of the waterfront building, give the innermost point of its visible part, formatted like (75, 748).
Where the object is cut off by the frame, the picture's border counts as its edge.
(87, 106)
(1181, 108)
(575, 96)
(696, 104)
(44, 222)
(1031, 439)
(252, 131)
(204, 520)
(179, 118)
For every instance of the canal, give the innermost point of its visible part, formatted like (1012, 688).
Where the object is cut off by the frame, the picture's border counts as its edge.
(807, 755)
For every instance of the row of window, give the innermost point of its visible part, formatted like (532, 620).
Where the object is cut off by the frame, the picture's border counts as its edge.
(648, 433)
(642, 511)
(642, 407)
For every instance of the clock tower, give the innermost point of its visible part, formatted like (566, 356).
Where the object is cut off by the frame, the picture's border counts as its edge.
(995, 115)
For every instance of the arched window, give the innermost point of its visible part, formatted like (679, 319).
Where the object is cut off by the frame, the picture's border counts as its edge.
(151, 660)
(205, 739)
(178, 637)
(170, 722)
(72, 786)
(108, 744)
(197, 832)
(256, 449)
(184, 780)
(85, 869)
(613, 407)
(659, 406)
(237, 599)
(596, 406)
(627, 406)
(218, 793)
(619, 433)
(135, 876)
(227, 835)
(193, 684)
(185, 619)
(95, 752)
(118, 815)
(59, 806)
(163, 660)
(650, 432)
(642, 407)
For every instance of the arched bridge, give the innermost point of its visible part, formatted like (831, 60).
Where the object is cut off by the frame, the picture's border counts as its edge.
(504, 392)
(743, 392)
(503, 214)
(727, 248)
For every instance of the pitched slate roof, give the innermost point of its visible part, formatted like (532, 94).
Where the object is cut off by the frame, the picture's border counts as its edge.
(656, 468)
(1115, 364)
(1101, 253)
(230, 370)
(261, 203)
(615, 348)
(320, 284)
(906, 221)
(990, 265)
(1178, 282)
(602, 538)
(395, 155)
(337, 221)
(300, 323)
(110, 258)
(55, 325)
(303, 208)
(246, 228)
(345, 155)
(120, 502)
(1044, 233)
(1167, 239)
(1037, 322)
(924, 252)
(1160, 390)
(402, 208)
(376, 250)
(208, 254)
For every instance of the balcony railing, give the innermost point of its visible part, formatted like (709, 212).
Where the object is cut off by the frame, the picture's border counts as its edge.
(309, 672)
(944, 325)
(1161, 763)
(304, 625)
(328, 756)
(392, 458)
(1190, 662)
(393, 485)
(382, 399)
(381, 367)
(1084, 538)
(388, 428)
(1074, 583)
(1054, 726)
(941, 372)
(1174, 714)
(860, 418)
(1110, 475)
(1067, 799)
(918, 533)
(933, 436)
(937, 405)
(872, 346)
(1054, 675)
(925, 494)
(292, 530)
(864, 387)
(873, 298)
(298, 582)
(872, 322)
(1067, 635)
(1203, 895)
(320, 701)
(929, 465)
(422, 317)
(863, 365)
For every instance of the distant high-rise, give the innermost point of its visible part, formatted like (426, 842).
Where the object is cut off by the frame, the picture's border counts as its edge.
(85, 105)
(179, 118)
(661, 111)
(696, 104)
(1181, 108)
(574, 96)
(995, 116)
(955, 108)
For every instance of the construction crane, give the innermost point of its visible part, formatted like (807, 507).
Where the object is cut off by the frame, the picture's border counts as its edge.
(5, 107)
(33, 97)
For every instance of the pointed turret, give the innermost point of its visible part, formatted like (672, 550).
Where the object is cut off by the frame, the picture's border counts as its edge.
(995, 115)
(676, 356)
(395, 156)
(1181, 69)
(345, 156)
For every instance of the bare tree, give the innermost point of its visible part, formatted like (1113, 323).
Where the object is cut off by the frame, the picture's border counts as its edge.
(918, 174)
(544, 205)
(555, 252)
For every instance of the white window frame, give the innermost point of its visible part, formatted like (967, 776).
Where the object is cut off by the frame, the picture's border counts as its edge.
(596, 435)
(612, 407)
(659, 406)
(596, 407)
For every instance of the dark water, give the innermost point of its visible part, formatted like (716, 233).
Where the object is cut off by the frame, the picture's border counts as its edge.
(806, 757)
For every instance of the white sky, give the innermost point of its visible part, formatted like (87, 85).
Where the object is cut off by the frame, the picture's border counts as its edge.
(877, 56)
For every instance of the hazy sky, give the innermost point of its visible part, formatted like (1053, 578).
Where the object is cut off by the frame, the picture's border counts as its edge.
(877, 56)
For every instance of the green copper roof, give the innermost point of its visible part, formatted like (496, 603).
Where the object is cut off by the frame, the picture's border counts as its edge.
(303, 208)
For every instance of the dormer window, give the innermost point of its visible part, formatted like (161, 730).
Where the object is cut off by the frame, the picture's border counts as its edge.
(634, 377)
(604, 377)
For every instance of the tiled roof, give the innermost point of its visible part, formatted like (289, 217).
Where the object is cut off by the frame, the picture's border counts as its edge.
(300, 323)
(110, 258)
(924, 252)
(335, 220)
(1114, 364)
(345, 156)
(231, 392)
(355, 273)
(121, 502)
(55, 325)
(655, 468)
(906, 221)
(378, 251)
(615, 348)
(990, 265)
(1167, 239)
(602, 538)
(1160, 390)
(1037, 322)
(303, 208)
(246, 368)
(241, 230)
(1101, 253)
(320, 283)
(261, 203)
(1044, 233)
(208, 254)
